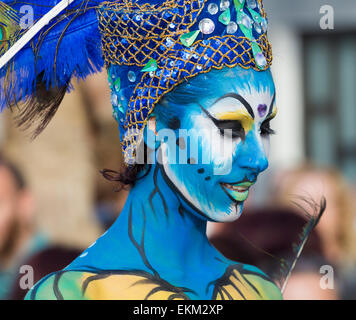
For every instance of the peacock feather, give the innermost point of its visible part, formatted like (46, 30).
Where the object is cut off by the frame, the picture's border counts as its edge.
(38, 76)
(9, 27)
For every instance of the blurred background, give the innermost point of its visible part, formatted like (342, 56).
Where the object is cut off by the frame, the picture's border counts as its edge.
(55, 202)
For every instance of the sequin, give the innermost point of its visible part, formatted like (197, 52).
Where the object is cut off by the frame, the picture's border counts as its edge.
(224, 4)
(213, 8)
(260, 60)
(188, 39)
(131, 76)
(169, 42)
(206, 26)
(264, 24)
(225, 17)
(150, 66)
(251, 4)
(257, 27)
(114, 100)
(232, 27)
(246, 21)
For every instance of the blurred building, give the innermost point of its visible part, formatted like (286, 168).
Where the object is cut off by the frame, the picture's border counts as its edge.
(315, 75)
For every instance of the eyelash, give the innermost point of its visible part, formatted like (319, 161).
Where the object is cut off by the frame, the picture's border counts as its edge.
(265, 129)
(237, 131)
(236, 127)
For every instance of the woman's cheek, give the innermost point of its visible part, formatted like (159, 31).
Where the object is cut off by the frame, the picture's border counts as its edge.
(266, 144)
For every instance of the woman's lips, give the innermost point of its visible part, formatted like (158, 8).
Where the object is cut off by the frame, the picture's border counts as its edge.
(237, 191)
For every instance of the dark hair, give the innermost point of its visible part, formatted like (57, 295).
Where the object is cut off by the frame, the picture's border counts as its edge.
(128, 175)
(14, 171)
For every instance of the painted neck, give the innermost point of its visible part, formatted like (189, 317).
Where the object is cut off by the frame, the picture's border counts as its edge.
(156, 218)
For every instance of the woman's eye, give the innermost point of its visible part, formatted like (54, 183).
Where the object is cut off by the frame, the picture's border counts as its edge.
(231, 126)
(265, 129)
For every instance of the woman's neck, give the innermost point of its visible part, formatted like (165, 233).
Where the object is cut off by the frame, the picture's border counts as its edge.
(157, 225)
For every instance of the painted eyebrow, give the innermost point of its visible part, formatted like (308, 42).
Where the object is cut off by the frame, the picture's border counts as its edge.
(239, 98)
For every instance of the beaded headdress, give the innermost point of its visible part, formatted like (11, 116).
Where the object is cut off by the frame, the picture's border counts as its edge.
(150, 48)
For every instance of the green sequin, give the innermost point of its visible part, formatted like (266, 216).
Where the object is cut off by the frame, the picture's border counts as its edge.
(151, 66)
(225, 17)
(239, 5)
(255, 15)
(188, 39)
(117, 84)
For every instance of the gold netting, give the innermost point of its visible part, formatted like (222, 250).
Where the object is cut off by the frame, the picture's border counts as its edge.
(242, 56)
(125, 38)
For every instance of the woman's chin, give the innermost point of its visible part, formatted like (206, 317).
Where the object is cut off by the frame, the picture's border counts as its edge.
(231, 214)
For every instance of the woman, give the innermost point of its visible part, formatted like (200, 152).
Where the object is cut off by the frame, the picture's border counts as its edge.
(194, 97)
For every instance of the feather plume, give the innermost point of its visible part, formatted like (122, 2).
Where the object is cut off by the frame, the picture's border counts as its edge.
(9, 27)
(314, 218)
(38, 77)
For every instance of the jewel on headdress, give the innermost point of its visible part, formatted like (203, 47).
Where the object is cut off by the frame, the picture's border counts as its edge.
(188, 39)
(121, 107)
(224, 4)
(239, 4)
(114, 100)
(151, 66)
(117, 84)
(213, 8)
(225, 17)
(264, 24)
(206, 26)
(260, 59)
(257, 27)
(131, 76)
(232, 27)
(256, 17)
(246, 20)
(251, 4)
(169, 42)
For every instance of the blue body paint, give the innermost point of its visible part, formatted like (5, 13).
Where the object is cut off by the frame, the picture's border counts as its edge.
(161, 230)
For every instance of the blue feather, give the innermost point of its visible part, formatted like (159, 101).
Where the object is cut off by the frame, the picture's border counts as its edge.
(65, 49)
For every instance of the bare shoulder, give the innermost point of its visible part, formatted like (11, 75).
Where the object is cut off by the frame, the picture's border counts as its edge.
(58, 286)
(265, 285)
(245, 282)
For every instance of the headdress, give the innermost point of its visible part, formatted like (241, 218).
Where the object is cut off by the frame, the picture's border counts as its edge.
(149, 47)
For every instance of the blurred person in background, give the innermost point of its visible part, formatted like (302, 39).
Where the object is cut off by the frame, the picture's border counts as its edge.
(18, 239)
(20, 243)
(266, 238)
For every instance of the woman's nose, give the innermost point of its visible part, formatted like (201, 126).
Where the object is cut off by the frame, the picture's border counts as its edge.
(252, 155)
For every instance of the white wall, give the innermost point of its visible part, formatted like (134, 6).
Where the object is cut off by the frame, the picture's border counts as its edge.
(287, 148)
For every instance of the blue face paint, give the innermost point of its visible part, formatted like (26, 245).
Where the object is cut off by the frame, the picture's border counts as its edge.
(212, 182)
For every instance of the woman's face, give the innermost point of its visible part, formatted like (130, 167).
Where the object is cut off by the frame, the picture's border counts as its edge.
(215, 139)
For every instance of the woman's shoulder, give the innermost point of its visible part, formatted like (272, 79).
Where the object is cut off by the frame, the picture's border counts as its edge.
(242, 281)
(58, 286)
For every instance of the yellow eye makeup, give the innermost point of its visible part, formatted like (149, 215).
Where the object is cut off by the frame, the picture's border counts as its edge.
(240, 115)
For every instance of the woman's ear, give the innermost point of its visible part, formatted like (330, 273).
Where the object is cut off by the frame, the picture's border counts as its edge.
(152, 124)
(150, 135)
